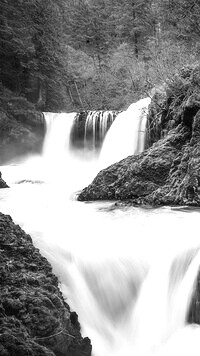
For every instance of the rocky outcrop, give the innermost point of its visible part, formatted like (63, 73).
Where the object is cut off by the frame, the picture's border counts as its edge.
(34, 318)
(22, 128)
(172, 104)
(3, 184)
(168, 171)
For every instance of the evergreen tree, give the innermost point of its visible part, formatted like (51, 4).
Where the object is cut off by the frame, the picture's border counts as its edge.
(134, 22)
(16, 47)
(90, 27)
(181, 19)
(32, 48)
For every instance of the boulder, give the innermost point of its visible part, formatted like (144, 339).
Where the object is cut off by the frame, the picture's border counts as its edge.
(34, 317)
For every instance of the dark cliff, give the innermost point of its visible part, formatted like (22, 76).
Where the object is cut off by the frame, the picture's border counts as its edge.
(22, 127)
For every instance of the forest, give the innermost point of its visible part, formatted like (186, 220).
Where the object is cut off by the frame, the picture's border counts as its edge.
(79, 55)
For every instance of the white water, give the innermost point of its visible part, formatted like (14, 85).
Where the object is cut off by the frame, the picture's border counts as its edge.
(129, 273)
(57, 142)
(127, 134)
(97, 122)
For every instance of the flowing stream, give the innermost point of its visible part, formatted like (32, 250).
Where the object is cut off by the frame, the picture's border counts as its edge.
(128, 273)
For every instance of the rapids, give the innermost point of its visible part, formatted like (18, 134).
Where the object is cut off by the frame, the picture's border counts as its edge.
(128, 273)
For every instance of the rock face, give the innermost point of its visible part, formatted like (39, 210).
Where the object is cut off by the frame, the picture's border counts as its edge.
(21, 127)
(34, 318)
(168, 171)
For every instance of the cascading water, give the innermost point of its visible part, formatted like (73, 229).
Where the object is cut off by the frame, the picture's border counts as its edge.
(98, 123)
(90, 128)
(128, 274)
(127, 135)
(116, 136)
(57, 140)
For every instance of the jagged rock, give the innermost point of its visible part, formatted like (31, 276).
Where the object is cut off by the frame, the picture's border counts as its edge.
(3, 183)
(34, 318)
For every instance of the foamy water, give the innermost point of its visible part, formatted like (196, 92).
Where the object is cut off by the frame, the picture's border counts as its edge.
(128, 273)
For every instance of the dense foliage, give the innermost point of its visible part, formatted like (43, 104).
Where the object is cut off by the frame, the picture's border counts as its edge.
(92, 54)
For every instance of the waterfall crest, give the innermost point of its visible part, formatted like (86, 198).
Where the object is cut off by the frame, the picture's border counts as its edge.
(114, 135)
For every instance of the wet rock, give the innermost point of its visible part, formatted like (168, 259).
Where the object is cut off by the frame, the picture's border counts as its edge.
(34, 318)
(2, 182)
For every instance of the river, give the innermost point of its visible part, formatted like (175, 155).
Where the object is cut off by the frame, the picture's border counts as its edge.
(129, 273)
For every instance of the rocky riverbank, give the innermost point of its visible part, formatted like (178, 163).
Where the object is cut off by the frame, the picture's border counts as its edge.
(34, 318)
(168, 171)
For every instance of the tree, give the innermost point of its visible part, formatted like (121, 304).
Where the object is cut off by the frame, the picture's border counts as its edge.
(16, 47)
(134, 22)
(181, 19)
(90, 27)
(32, 48)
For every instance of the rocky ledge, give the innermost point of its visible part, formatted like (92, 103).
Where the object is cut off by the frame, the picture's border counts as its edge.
(34, 318)
(168, 171)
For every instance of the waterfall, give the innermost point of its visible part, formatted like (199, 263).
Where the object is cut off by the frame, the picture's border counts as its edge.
(128, 307)
(114, 136)
(127, 135)
(129, 274)
(164, 300)
(58, 130)
(77, 139)
(90, 129)
(71, 142)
